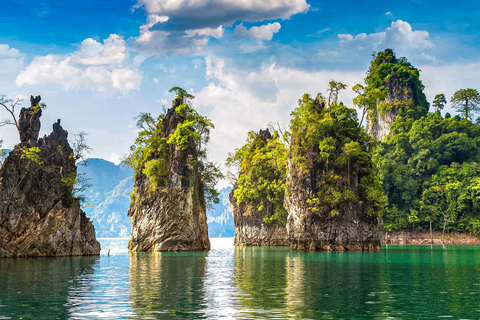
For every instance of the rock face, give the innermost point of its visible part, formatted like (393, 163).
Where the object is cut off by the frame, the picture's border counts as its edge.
(250, 230)
(173, 217)
(351, 230)
(38, 214)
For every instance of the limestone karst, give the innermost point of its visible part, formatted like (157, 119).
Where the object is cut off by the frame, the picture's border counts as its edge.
(168, 207)
(39, 216)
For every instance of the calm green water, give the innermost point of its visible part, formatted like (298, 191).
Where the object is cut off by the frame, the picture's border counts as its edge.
(405, 282)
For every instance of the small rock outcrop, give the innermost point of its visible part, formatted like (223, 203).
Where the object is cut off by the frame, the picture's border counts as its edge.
(38, 214)
(168, 207)
(259, 216)
(330, 181)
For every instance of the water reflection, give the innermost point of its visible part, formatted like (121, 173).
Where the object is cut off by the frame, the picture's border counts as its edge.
(32, 288)
(404, 282)
(167, 284)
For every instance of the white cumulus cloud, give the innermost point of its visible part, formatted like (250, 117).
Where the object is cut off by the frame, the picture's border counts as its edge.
(264, 32)
(238, 101)
(183, 26)
(96, 66)
(11, 59)
(399, 36)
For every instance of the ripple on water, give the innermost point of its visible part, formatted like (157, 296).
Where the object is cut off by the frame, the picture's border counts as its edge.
(244, 283)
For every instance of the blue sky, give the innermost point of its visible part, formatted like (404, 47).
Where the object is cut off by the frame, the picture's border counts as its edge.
(97, 64)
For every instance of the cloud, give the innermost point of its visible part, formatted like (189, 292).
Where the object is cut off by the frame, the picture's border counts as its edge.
(96, 66)
(449, 78)
(238, 101)
(187, 14)
(399, 36)
(182, 27)
(264, 32)
(11, 59)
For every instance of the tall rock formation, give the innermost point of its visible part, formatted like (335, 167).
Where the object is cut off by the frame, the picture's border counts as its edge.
(168, 207)
(402, 92)
(257, 196)
(38, 214)
(334, 195)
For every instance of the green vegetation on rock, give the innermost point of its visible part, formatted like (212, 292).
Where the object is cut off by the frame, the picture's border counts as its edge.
(262, 163)
(342, 157)
(154, 149)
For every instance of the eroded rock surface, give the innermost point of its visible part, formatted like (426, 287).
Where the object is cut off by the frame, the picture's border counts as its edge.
(38, 214)
(173, 217)
(250, 230)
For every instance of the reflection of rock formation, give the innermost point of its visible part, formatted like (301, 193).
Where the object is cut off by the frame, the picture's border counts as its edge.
(295, 288)
(167, 284)
(38, 288)
(260, 279)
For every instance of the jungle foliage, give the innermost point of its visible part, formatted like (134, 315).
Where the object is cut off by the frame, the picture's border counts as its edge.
(429, 164)
(262, 165)
(154, 149)
(342, 158)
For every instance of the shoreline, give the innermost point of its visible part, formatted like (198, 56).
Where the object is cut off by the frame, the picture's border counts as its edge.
(424, 237)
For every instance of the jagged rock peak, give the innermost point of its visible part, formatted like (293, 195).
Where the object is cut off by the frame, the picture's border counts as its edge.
(39, 216)
(265, 135)
(29, 122)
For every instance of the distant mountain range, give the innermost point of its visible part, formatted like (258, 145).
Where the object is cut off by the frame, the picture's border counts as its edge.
(108, 199)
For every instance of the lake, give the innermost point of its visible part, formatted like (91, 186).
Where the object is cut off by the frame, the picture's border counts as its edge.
(404, 282)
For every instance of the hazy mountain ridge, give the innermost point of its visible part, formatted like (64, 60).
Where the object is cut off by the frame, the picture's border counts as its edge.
(108, 200)
(220, 217)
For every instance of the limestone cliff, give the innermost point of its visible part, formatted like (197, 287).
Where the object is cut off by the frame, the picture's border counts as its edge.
(168, 208)
(38, 214)
(251, 230)
(257, 196)
(334, 195)
(402, 92)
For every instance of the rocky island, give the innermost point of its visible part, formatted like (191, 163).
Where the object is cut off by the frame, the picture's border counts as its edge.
(172, 180)
(257, 196)
(39, 216)
(334, 196)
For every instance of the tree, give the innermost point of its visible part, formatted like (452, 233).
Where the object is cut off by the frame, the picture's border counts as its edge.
(80, 147)
(366, 99)
(439, 102)
(466, 102)
(333, 88)
(10, 108)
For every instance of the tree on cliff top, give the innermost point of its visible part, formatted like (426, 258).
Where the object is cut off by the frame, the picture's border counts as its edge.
(466, 102)
(340, 152)
(262, 163)
(151, 154)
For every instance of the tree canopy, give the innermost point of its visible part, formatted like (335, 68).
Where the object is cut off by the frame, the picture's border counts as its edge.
(466, 102)
(262, 165)
(153, 150)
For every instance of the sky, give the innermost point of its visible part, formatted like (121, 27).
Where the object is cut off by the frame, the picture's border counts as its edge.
(98, 64)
